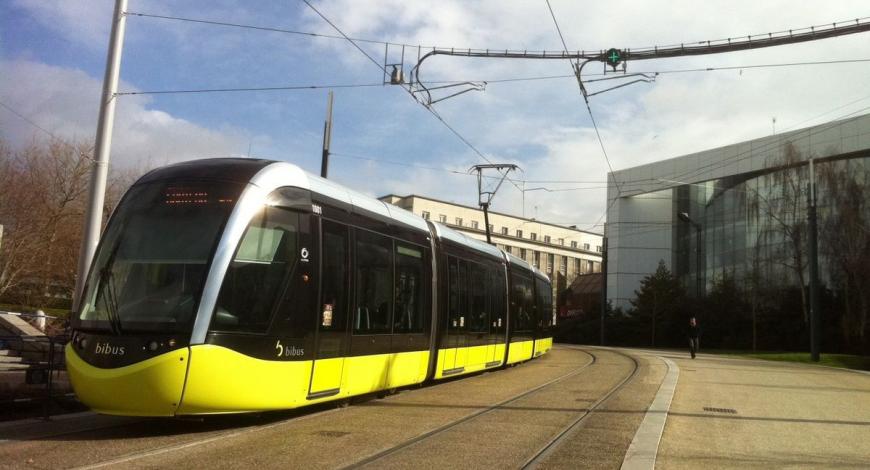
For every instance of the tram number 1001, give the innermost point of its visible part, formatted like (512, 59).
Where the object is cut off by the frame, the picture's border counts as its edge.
(288, 351)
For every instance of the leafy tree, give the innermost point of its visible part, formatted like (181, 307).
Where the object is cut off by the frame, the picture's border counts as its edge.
(726, 316)
(661, 303)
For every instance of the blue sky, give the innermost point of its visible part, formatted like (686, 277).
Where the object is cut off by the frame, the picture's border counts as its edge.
(52, 59)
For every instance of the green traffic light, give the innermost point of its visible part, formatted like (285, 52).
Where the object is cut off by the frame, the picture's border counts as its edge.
(613, 57)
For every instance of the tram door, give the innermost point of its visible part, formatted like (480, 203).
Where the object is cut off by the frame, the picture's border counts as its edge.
(331, 338)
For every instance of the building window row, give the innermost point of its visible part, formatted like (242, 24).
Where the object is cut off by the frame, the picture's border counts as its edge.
(504, 231)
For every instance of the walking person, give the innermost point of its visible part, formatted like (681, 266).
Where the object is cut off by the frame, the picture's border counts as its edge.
(694, 332)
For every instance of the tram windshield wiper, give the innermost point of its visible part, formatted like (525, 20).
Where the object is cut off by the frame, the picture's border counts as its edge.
(108, 294)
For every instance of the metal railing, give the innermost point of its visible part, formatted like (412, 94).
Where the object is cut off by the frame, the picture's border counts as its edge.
(41, 363)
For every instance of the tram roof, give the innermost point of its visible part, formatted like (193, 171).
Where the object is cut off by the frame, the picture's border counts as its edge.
(525, 264)
(443, 232)
(279, 174)
(270, 175)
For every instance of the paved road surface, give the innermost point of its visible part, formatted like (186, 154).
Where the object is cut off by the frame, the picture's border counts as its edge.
(578, 407)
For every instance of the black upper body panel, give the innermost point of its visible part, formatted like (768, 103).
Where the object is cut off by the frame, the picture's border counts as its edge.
(239, 170)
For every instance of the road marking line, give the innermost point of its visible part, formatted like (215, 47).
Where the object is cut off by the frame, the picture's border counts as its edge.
(641, 454)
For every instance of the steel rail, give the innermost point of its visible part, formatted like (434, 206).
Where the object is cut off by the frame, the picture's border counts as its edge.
(428, 434)
(560, 437)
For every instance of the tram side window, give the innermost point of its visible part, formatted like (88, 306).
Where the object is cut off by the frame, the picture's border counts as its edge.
(478, 315)
(252, 284)
(456, 294)
(497, 300)
(335, 281)
(545, 302)
(374, 283)
(408, 316)
(522, 302)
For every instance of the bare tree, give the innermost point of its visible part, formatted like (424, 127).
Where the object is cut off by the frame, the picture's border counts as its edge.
(44, 191)
(783, 206)
(845, 231)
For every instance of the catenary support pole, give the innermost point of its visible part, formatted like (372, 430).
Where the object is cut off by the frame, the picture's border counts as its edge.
(102, 149)
(603, 290)
(327, 137)
(814, 266)
(485, 208)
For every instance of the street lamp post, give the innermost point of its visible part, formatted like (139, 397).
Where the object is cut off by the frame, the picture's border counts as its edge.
(684, 216)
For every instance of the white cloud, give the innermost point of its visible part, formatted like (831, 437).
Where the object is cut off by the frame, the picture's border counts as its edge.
(83, 22)
(65, 102)
(543, 126)
(679, 114)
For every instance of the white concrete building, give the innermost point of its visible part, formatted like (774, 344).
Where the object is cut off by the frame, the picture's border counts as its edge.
(561, 252)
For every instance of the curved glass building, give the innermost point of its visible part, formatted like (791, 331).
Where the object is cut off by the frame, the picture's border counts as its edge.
(741, 212)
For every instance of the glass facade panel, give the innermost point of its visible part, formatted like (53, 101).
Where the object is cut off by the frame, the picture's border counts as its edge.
(751, 223)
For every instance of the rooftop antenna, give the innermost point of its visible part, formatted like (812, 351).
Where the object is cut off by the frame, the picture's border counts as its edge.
(484, 198)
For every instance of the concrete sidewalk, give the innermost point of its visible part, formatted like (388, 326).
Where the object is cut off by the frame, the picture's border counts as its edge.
(741, 413)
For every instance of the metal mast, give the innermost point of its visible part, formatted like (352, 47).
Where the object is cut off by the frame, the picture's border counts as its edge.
(102, 149)
(485, 197)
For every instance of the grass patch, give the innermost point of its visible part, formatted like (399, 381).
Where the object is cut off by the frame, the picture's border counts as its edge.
(843, 361)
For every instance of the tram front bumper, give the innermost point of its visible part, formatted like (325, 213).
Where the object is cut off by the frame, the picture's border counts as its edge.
(149, 388)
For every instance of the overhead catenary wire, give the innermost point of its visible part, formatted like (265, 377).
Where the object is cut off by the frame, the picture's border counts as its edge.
(262, 28)
(464, 173)
(750, 153)
(491, 81)
(487, 81)
(753, 151)
(816, 29)
(428, 108)
(37, 126)
(577, 71)
(227, 90)
(29, 121)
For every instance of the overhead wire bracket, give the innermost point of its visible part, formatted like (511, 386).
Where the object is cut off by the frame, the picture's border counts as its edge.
(484, 198)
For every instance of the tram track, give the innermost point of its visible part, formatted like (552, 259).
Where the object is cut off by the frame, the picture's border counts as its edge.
(556, 441)
(500, 406)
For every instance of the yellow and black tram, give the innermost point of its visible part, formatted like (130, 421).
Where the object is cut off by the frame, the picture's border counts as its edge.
(240, 285)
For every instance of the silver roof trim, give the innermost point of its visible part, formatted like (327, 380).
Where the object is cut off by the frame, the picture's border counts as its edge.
(525, 264)
(446, 233)
(268, 179)
(281, 174)
(251, 200)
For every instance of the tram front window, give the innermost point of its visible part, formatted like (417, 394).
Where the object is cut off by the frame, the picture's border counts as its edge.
(253, 283)
(152, 262)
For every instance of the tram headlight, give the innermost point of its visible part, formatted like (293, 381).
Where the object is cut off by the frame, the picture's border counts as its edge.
(171, 343)
(153, 345)
(83, 343)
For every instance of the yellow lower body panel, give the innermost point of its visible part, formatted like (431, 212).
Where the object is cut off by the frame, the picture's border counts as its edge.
(366, 374)
(328, 374)
(453, 362)
(543, 346)
(520, 351)
(407, 368)
(148, 388)
(224, 381)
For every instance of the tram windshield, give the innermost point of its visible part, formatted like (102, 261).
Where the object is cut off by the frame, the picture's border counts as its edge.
(152, 262)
